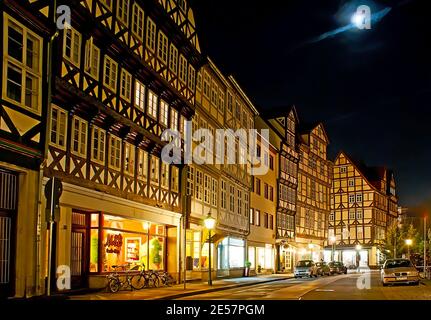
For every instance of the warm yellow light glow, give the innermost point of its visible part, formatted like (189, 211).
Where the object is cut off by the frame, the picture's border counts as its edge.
(358, 247)
(146, 225)
(210, 222)
(409, 242)
(310, 245)
(303, 251)
(332, 239)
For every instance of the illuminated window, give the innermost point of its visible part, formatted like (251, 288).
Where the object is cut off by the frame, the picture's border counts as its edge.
(173, 59)
(143, 165)
(154, 169)
(351, 182)
(192, 78)
(165, 175)
(58, 127)
(257, 219)
(152, 104)
(174, 179)
(343, 169)
(351, 198)
(207, 84)
(139, 95)
(174, 119)
(183, 69)
(359, 197)
(164, 110)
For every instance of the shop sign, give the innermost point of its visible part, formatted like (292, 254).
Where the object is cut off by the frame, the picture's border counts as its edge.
(114, 243)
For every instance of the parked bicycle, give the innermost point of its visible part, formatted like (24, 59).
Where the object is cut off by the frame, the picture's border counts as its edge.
(118, 281)
(145, 278)
(165, 278)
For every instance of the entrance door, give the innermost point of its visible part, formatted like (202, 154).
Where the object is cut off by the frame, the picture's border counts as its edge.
(78, 253)
(8, 205)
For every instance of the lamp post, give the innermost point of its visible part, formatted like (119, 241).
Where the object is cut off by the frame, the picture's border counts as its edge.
(409, 242)
(209, 224)
(333, 239)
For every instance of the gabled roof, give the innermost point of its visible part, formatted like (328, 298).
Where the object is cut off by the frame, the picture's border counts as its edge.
(281, 111)
(307, 127)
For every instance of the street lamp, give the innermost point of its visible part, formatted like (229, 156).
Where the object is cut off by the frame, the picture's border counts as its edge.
(333, 239)
(210, 225)
(409, 242)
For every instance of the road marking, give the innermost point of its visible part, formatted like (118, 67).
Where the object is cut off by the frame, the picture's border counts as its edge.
(324, 290)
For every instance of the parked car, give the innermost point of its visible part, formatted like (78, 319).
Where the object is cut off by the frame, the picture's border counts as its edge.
(399, 271)
(322, 269)
(336, 267)
(305, 268)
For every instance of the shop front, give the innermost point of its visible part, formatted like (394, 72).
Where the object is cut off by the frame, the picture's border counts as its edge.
(231, 257)
(351, 257)
(120, 233)
(286, 257)
(197, 254)
(261, 257)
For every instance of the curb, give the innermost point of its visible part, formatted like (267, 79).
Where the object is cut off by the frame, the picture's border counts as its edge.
(199, 292)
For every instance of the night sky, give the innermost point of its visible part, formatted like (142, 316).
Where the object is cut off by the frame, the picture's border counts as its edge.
(371, 88)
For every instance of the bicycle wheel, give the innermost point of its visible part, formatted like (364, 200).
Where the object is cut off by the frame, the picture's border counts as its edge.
(114, 285)
(138, 282)
(153, 281)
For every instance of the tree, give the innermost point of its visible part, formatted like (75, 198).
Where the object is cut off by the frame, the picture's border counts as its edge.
(396, 236)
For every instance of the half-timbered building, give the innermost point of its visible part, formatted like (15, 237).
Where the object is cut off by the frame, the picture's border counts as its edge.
(363, 203)
(122, 72)
(314, 187)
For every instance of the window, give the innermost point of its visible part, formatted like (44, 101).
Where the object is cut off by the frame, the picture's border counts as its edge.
(72, 46)
(98, 151)
(266, 220)
(229, 102)
(258, 192)
(223, 194)
(207, 188)
(232, 199)
(174, 119)
(138, 21)
(351, 182)
(92, 58)
(343, 169)
(271, 162)
(151, 35)
(214, 93)
(126, 85)
(199, 185)
(207, 84)
(183, 69)
(221, 100)
(175, 179)
(351, 198)
(192, 78)
(79, 137)
(352, 214)
(115, 152)
(257, 220)
(190, 181)
(129, 159)
(152, 104)
(237, 110)
(165, 175)
(139, 95)
(110, 78)
(164, 109)
(331, 216)
(155, 168)
(199, 81)
(271, 193)
(239, 202)
(271, 222)
(359, 214)
(58, 127)
(359, 197)
(143, 165)
(266, 191)
(123, 11)
(162, 51)
(22, 66)
(173, 59)
(251, 216)
(214, 192)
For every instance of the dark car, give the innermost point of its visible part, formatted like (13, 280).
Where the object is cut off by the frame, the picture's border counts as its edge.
(336, 267)
(323, 269)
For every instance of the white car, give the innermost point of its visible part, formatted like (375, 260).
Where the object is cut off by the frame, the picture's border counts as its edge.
(399, 271)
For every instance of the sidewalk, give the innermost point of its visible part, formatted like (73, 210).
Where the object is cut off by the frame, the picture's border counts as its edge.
(177, 291)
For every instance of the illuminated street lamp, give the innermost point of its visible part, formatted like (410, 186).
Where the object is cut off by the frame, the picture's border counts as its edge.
(210, 225)
(333, 239)
(409, 242)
